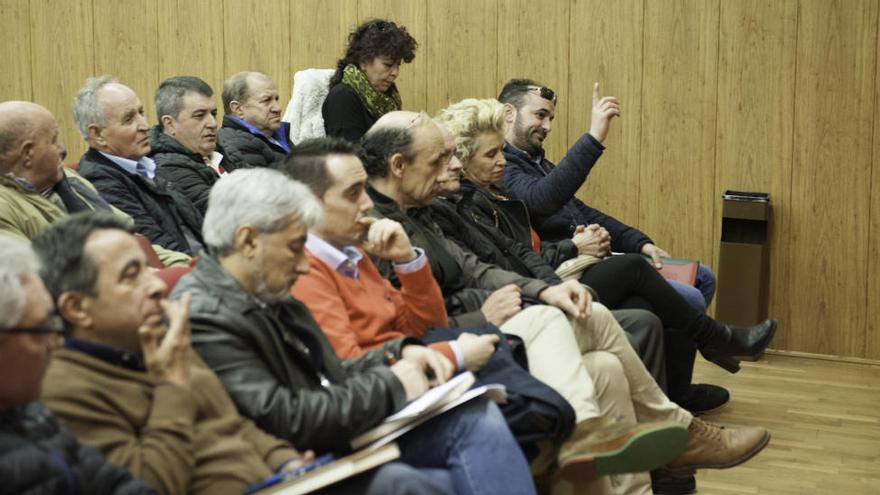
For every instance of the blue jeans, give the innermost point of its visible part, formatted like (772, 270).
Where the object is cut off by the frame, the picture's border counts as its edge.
(469, 450)
(701, 293)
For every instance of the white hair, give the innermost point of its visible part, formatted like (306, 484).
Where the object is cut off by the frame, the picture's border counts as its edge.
(86, 110)
(17, 261)
(261, 197)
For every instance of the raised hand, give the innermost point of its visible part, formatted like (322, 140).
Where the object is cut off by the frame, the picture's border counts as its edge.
(604, 109)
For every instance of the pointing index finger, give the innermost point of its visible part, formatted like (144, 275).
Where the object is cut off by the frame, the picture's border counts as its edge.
(596, 92)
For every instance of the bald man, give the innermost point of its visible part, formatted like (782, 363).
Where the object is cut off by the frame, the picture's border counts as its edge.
(110, 117)
(35, 188)
(252, 134)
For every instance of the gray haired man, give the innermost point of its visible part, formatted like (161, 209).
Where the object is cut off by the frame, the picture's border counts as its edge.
(36, 454)
(282, 372)
(183, 143)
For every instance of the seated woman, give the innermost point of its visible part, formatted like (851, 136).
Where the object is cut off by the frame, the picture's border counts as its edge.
(477, 127)
(362, 89)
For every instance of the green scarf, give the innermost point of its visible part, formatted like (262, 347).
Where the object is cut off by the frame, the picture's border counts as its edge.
(377, 104)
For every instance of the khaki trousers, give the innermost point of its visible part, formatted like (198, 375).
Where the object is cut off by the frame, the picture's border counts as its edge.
(592, 364)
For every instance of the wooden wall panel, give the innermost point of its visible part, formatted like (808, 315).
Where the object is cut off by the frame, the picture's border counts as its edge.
(256, 36)
(775, 95)
(872, 337)
(461, 51)
(756, 70)
(319, 33)
(61, 64)
(679, 85)
(126, 46)
(16, 42)
(190, 40)
(830, 191)
(413, 78)
(533, 44)
(606, 46)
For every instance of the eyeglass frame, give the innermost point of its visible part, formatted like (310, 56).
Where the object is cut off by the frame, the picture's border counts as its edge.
(544, 92)
(53, 326)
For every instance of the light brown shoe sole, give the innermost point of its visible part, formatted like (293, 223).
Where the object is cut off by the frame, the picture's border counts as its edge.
(689, 469)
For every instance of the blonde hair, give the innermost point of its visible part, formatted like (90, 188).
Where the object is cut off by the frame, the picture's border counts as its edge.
(468, 119)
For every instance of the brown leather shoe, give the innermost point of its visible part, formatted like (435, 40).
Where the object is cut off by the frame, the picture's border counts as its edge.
(713, 446)
(598, 447)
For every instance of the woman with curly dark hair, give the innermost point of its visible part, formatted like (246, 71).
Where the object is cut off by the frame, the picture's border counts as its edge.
(362, 89)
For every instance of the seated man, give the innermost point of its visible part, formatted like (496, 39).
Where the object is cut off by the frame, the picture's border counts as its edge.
(280, 370)
(253, 134)
(35, 188)
(36, 454)
(341, 276)
(406, 156)
(111, 119)
(183, 144)
(548, 190)
(127, 382)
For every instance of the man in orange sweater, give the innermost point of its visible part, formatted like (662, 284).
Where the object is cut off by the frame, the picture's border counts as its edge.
(356, 308)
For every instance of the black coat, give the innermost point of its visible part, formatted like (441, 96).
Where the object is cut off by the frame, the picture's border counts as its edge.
(510, 217)
(244, 149)
(271, 359)
(184, 170)
(345, 115)
(37, 456)
(487, 242)
(549, 192)
(158, 210)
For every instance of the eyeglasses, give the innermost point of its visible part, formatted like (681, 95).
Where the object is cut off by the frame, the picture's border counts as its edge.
(543, 92)
(54, 325)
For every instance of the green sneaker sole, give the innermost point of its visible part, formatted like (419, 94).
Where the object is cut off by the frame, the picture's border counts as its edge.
(644, 451)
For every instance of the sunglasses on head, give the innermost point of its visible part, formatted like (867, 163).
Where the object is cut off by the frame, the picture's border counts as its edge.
(543, 92)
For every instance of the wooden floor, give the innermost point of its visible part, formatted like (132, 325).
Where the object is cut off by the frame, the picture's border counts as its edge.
(824, 418)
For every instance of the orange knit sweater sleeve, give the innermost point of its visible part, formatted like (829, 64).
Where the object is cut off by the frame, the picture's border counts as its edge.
(319, 291)
(358, 315)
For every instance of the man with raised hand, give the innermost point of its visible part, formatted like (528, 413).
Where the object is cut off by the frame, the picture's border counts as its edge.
(406, 156)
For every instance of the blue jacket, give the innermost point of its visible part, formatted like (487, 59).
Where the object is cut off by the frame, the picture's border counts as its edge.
(549, 193)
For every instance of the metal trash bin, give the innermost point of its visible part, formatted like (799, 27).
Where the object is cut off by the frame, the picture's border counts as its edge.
(743, 263)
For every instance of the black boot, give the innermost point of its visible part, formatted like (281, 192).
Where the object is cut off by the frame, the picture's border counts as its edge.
(724, 341)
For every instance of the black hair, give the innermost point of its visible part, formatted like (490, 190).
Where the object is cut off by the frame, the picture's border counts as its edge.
(378, 145)
(307, 162)
(64, 265)
(515, 91)
(376, 38)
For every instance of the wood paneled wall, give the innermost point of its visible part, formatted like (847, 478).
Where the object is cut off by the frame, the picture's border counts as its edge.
(770, 95)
